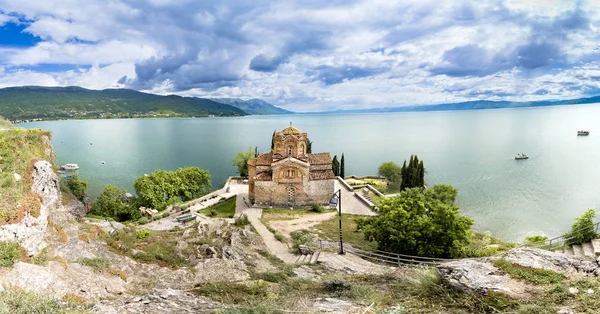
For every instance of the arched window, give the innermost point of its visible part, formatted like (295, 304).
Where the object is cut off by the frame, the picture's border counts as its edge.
(301, 149)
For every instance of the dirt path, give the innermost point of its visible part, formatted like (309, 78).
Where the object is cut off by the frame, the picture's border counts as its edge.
(273, 245)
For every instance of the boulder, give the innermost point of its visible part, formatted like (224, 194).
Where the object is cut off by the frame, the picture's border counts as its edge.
(469, 275)
(542, 259)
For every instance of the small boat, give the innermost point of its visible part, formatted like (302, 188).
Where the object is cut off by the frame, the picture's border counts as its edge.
(521, 156)
(103, 162)
(69, 167)
(583, 133)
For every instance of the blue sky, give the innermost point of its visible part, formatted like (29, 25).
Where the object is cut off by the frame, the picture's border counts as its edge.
(308, 55)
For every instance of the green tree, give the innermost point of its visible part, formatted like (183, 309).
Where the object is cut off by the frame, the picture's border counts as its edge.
(77, 187)
(112, 203)
(421, 223)
(241, 161)
(273, 141)
(308, 146)
(413, 175)
(162, 188)
(583, 230)
(342, 167)
(335, 165)
(392, 173)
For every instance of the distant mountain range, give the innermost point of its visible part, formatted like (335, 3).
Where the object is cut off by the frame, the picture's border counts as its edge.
(51, 103)
(252, 106)
(473, 105)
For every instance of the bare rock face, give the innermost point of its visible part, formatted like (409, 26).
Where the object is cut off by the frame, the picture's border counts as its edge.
(475, 276)
(31, 231)
(159, 301)
(542, 259)
(57, 280)
(223, 269)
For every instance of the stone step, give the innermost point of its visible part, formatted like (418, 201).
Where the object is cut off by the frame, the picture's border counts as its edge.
(577, 251)
(316, 257)
(588, 250)
(569, 251)
(596, 246)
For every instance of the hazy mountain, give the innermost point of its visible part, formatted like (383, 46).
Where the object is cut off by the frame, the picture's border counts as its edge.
(253, 106)
(35, 102)
(474, 105)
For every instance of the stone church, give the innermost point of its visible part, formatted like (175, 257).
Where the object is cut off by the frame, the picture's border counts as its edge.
(289, 176)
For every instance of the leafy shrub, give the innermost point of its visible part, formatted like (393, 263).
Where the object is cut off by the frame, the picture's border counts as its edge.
(9, 253)
(111, 203)
(301, 237)
(143, 221)
(242, 221)
(142, 233)
(317, 208)
(583, 230)
(213, 213)
(535, 239)
(77, 187)
(336, 286)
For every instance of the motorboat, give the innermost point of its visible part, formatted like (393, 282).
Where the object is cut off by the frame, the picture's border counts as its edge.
(521, 156)
(69, 167)
(583, 133)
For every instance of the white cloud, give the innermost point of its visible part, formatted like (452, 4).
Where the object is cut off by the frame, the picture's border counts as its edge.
(309, 55)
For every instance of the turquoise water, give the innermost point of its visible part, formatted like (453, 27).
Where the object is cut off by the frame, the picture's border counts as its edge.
(472, 150)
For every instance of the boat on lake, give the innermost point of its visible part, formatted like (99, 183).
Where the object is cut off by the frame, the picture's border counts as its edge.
(583, 133)
(521, 156)
(69, 167)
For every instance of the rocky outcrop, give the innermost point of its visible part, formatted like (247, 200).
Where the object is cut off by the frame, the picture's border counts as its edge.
(56, 279)
(31, 231)
(469, 275)
(159, 301)
(480, 275)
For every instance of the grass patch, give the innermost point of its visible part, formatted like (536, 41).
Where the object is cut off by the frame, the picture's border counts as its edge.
(223, 209)
(97, 263)
(329, 229)
(242, 221)
(20, 149)
(41, 258)
(9, 253)
(16, 300)
(483, 244)
(530, 275)
(270, 214)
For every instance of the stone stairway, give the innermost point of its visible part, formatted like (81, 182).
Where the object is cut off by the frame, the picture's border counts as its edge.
(308, 258)
(588, 250)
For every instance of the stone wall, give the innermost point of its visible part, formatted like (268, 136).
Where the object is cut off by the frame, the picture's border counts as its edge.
(274, 194)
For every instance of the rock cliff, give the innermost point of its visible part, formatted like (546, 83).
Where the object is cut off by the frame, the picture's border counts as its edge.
(30, 232)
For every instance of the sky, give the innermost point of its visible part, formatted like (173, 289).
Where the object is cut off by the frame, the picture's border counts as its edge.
(308, 55)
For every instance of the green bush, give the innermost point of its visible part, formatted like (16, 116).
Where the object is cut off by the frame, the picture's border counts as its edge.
(535, 240)
(301, 237)
(242, 221)
(583, 230)
(77, 187)
(111, 203)
(213, 213)
(142, 233)
(143, 221)
(279, 237)
(9, 253)
(420, 222)
(317, 208)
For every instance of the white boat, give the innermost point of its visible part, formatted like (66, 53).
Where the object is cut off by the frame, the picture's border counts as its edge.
(583, 133)
(69, 167)
(521, 156)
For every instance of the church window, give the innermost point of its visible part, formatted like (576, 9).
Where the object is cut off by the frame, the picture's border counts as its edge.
(301, 149)
(291, 194)
(290, 151)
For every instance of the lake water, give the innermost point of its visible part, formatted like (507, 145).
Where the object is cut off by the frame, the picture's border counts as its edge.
(472, 150)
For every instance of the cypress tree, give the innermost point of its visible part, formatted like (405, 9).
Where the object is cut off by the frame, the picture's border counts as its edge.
(273, 140)
(308, 146)
(421, 174)
(335, 164)
(255, 151)
(404, 174)
(342, 170)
